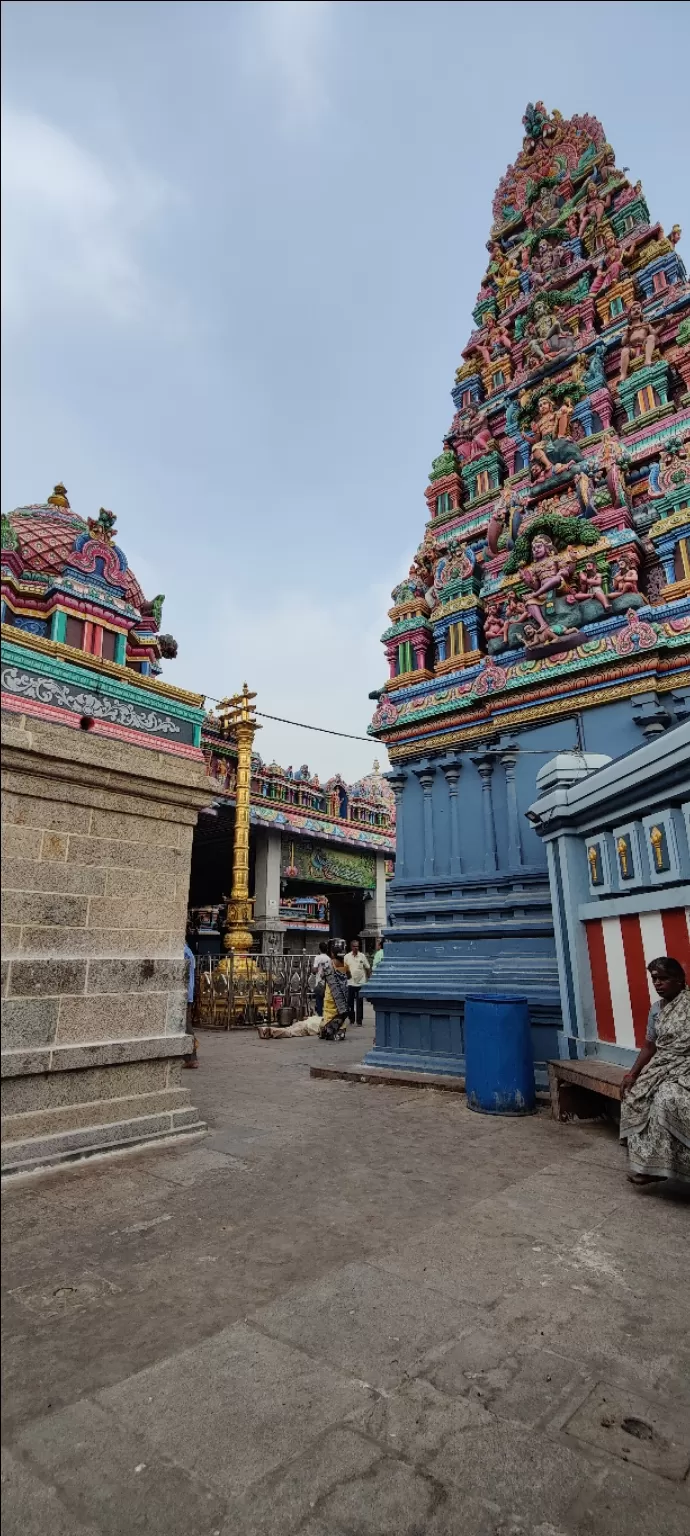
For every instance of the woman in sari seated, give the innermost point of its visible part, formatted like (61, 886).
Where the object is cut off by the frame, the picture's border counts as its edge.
(655, 1113)
(333, 1024)
(335, 996)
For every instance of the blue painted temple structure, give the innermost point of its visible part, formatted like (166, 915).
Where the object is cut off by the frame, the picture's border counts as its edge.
(547, 610)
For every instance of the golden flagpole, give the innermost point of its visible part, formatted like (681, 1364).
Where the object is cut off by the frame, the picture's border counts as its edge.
(238, 718)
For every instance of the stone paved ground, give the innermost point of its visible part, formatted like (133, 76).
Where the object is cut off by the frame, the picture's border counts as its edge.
(351, 1309)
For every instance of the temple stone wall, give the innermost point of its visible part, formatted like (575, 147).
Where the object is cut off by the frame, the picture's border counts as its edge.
(97, 838)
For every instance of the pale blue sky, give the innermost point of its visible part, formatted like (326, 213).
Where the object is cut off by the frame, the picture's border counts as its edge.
(242, 243)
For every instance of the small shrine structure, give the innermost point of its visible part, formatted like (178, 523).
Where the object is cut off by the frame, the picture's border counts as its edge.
(103, 779)
(547, 610)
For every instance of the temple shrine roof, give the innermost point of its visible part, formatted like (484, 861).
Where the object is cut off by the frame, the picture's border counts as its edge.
(47, 534)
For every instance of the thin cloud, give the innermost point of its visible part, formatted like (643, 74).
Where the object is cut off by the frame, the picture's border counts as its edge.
(72, 225)
(312, 657)
(288, 44)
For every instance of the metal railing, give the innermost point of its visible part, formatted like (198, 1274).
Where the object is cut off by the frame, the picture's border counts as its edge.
(243, 991)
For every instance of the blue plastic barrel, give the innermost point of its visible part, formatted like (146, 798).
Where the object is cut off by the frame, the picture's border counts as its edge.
(499, 1068)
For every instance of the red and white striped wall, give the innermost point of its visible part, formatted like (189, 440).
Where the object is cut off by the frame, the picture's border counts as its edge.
(620, 949)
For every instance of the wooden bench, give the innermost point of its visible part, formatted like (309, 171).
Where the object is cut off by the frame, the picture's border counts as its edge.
(578, 1087)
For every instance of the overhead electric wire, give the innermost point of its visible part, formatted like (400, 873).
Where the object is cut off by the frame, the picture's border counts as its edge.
(325, 730)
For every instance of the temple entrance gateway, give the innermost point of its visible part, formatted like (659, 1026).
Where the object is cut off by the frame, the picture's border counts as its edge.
(319, 856)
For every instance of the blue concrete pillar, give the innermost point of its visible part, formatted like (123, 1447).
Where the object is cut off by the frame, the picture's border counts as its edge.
(484, 763)
(397, 781)
(452, 774)
(509, 758)
(425, 774)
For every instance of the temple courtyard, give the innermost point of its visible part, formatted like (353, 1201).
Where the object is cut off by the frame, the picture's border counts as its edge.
(350, 1309)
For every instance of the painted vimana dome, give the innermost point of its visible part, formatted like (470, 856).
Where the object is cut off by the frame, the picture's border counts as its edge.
(65, 579)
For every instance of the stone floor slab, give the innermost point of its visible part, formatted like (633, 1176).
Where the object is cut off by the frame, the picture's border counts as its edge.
(634, 1428)
(368, 1329)
(32, 1508)
(104, 1472)
(416, 1420)
(625, 1501)
(279, 1504)
(233, 1405)
(531, 1478)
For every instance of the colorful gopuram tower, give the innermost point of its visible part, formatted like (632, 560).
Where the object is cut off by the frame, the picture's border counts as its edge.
(547, 609)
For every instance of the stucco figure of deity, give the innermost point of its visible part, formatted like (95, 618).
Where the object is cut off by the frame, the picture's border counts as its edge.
(546, 261)
(595, 374)
(610, 458)
(474, 435)
(639, 340)
(512, 417)
(507, 516)
(497, 341)
(594, 208)
(564, 416)
(506, 269)
(493, 623)
(626, 578)
(551, 448)
(589, 585)
(537, 633)
(610, 264)
(515, 613)
(548, 577)
(545, 210)
(547, 337)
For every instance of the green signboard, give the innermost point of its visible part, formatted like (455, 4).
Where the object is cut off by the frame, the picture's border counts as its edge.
(323, 865)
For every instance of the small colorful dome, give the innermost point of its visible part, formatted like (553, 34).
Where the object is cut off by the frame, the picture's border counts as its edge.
(47, 533)
(65, 579)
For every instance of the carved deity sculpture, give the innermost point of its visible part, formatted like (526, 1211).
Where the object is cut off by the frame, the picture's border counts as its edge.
(594, 208)
(589, 585)
(595, 375)
(474, 435)
(639, 340)
(515, 613)
(545, 210)
(506, 269)
(611, 458)
(626, 578)
(564, 416)
(497, 341)
(610, 264)
(547, 337)
(493, 623)
(512, 417)
(507, 517)
(551, 447)
(549, 576)
(546, 261)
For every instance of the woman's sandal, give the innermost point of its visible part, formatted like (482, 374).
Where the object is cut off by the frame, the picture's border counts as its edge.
(646, 1178)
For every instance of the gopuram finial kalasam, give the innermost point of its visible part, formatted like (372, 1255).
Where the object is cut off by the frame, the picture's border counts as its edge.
(59, 497)
(573, 381)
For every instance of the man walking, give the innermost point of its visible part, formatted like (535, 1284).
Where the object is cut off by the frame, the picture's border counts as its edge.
(319, 964)
(358, 969)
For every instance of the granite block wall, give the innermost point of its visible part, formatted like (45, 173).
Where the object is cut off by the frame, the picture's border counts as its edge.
(96, 851)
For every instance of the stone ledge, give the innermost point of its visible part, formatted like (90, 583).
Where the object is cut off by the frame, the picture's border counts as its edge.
(398, 1079)
(38, 1152)
(89, 783)
(101, 1053)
